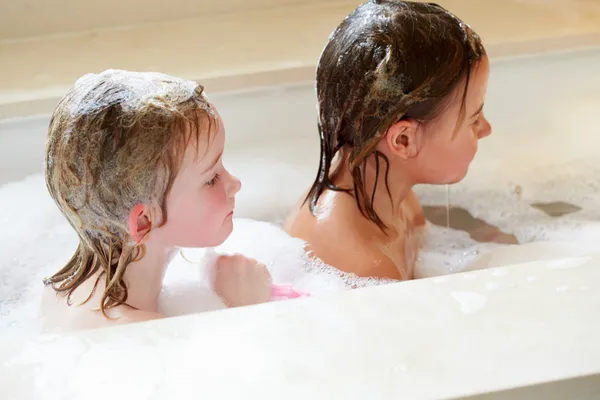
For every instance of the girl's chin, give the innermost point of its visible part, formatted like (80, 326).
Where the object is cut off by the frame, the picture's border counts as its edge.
(226, 229)
(458, 177)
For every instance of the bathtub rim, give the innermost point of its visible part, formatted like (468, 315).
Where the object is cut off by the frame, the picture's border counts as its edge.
(35, 104)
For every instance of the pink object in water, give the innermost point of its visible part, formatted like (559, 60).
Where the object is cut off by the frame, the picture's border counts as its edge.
(283, 292)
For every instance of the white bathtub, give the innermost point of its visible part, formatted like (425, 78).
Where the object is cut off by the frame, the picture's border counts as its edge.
(516, 332)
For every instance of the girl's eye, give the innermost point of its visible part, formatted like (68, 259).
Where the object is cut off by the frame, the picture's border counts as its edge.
(213, 181)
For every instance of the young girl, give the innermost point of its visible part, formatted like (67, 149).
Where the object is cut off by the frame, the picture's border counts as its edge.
(134, 162)
(400, 88)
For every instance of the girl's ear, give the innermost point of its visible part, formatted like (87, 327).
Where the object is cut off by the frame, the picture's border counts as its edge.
(139, 223)
(404, 138)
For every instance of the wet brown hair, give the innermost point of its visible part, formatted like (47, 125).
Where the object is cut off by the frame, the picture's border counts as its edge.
(115, 140)
(388, 60)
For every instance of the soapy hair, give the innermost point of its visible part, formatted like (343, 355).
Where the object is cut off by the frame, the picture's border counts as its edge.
(117, 139)
(388, 60)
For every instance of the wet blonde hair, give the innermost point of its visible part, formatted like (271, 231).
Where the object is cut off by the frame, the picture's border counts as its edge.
(115, 140)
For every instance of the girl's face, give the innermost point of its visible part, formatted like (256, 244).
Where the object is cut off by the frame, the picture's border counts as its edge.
(201, 201)
(448, 148)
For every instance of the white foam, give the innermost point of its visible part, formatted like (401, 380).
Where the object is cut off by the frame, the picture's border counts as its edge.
(542, 237)
(40, 240)
(34, 240)
(187, 279)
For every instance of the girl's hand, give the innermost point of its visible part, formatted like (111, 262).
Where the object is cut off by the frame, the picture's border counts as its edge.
(242, 281)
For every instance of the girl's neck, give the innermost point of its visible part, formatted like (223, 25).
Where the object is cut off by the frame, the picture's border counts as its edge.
(144, 278)
(388, 206)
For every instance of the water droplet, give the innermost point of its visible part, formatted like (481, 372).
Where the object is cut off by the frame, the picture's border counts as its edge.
(562, 289)
(470, 302)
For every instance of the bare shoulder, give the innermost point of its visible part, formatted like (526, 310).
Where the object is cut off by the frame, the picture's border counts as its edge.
(362, 259)
(296, 215)
(59, 317)
(344, 239)
(131, 315)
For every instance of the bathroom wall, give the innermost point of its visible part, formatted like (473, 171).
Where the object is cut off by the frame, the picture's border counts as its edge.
(230, 44)
(28, 18)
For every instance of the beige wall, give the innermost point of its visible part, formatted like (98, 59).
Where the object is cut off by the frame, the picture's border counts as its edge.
(268, 42)
(26, 18)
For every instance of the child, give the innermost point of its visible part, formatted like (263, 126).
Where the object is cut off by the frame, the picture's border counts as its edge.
(134, 162)
(400, 87)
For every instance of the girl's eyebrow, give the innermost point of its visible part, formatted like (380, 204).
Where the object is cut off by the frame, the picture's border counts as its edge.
(478, 110)
(212, 165)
